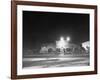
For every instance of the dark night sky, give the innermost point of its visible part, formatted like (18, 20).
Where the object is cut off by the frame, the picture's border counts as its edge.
(47, 27)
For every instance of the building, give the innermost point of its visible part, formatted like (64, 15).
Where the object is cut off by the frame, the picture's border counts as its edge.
(86, 46)
(62, 47)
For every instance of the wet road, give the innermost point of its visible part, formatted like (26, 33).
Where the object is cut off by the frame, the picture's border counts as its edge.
(55, 61)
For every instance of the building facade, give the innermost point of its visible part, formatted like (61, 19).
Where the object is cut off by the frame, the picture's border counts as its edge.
(62, 47)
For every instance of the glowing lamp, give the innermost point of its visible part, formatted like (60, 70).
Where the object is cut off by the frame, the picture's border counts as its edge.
(61, 39)
(68, 39)
(61, 43)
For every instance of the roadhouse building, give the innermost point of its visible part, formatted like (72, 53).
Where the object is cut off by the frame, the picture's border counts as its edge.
(64, 47)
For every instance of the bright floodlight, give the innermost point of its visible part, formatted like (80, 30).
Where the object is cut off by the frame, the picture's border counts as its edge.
(61, 39)
(61, 43)
(68, 39)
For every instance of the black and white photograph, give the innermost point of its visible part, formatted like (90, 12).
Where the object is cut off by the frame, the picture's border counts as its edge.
(52, 39)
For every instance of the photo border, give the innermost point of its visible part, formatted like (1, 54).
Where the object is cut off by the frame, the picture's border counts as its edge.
(14, 38)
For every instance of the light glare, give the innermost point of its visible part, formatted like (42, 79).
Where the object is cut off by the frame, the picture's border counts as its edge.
(61, 43)
(68, 39)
